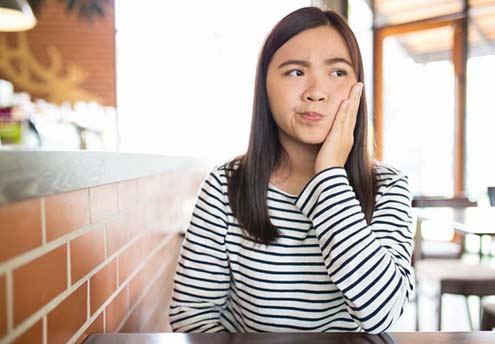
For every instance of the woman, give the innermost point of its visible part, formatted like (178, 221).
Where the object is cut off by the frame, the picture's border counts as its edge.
(303, 232)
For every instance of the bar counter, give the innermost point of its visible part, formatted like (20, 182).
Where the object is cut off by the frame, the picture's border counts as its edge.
(34, 173)
(87, 236)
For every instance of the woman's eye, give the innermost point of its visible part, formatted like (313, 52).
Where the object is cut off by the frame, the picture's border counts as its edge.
(339, 72)
(295, 72)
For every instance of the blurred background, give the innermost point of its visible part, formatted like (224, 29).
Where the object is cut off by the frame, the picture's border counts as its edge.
(177, 78)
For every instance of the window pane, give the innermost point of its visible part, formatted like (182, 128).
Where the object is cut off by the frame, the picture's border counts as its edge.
(418, 100)
(185, 73)
(480, 117)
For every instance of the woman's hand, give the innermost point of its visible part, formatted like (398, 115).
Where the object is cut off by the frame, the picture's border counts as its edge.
(338, 144)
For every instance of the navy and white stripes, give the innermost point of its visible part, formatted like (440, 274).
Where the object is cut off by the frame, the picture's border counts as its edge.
(328, 270)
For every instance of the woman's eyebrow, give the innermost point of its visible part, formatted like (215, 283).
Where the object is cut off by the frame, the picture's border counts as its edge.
(305, 63)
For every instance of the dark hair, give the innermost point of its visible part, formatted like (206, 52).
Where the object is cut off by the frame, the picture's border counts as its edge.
(249, 174)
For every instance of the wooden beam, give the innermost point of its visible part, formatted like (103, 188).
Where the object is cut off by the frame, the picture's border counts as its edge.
(418, 25)
(460, 56)
(378, 94)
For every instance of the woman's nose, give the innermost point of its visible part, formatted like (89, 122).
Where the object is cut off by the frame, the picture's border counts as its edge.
(315, 97)
(315, 93)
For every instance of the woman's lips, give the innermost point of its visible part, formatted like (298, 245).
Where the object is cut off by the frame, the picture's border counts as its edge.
(311, 116)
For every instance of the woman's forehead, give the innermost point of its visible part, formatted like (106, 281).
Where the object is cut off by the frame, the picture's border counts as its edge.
(319, 43)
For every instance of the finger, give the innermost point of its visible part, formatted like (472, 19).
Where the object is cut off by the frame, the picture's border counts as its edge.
(354, 107)
(344, 112)
(356, 97)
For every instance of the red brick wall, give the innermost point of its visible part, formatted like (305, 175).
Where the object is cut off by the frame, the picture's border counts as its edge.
(100, 259)
(91, 46)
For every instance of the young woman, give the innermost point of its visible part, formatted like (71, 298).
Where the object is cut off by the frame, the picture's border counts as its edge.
(304, 232)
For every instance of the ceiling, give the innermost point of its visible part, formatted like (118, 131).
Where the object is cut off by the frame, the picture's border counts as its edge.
(436, 44)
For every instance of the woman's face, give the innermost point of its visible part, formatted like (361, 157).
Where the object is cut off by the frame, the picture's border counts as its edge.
(312, 72)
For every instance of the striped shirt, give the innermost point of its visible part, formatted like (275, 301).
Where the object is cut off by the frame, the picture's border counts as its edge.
(328, 270)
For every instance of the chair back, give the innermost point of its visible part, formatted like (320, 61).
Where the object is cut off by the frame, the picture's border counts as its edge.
(491, 195)
(453, 202)
(432, 201)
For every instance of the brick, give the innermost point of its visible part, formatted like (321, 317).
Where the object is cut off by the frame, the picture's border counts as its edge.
(152, 240)
(95, 327)
(149, 315)
(117, 310)
(66, 212)
(167, 255)
(39, 281)
(66, 319)
(34, 335)
(127, 194)
(103, 201)
(145, 189)
(136, 221)
(102, 285)
(118, 233)
(142, 319)
(139, 283)
(86, 252)
(130, 259)
(20, 228)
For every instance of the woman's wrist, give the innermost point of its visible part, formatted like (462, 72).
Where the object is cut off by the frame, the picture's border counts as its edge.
(329, 165)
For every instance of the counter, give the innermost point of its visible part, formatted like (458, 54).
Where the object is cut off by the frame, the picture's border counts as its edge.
(89, 241)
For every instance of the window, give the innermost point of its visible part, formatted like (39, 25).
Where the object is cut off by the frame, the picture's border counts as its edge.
(418, 110)
(480, 116)
(185, 73)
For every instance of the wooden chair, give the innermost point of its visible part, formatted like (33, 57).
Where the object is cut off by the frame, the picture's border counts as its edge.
(453, 249)
(452, 276)
(488, 317)
(432, 201)
(491, 195)
(448, 273)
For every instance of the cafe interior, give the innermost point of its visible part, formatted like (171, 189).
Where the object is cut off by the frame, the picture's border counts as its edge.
(103, 150)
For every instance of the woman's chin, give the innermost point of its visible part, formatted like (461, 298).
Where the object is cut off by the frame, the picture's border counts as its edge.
(314, 137)
(315, 140)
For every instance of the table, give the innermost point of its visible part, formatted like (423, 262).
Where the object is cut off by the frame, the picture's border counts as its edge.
(292, 338)
(478, 221)
(472, 220)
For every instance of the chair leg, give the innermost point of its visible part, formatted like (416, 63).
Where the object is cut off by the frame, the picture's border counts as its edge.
(470, 318)
(487, 321)
(480, 311)
(439, 324)
(416, 301)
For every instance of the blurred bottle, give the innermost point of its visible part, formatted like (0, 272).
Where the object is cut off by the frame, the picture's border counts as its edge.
(16, 129)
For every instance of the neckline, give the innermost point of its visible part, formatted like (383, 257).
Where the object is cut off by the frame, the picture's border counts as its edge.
(285, 193)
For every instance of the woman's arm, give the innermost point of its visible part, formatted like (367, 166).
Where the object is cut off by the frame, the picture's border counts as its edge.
(370, 264)
(202, 280)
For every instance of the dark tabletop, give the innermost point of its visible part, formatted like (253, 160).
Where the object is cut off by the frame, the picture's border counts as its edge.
(306, 338)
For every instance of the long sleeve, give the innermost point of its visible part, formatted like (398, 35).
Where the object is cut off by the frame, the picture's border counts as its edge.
(370, 264)
(202, 279)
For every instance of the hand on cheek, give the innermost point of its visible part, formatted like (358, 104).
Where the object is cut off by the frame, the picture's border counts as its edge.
(336, 148)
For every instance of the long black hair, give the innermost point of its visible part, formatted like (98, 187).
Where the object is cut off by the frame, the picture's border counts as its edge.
(249, 174)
